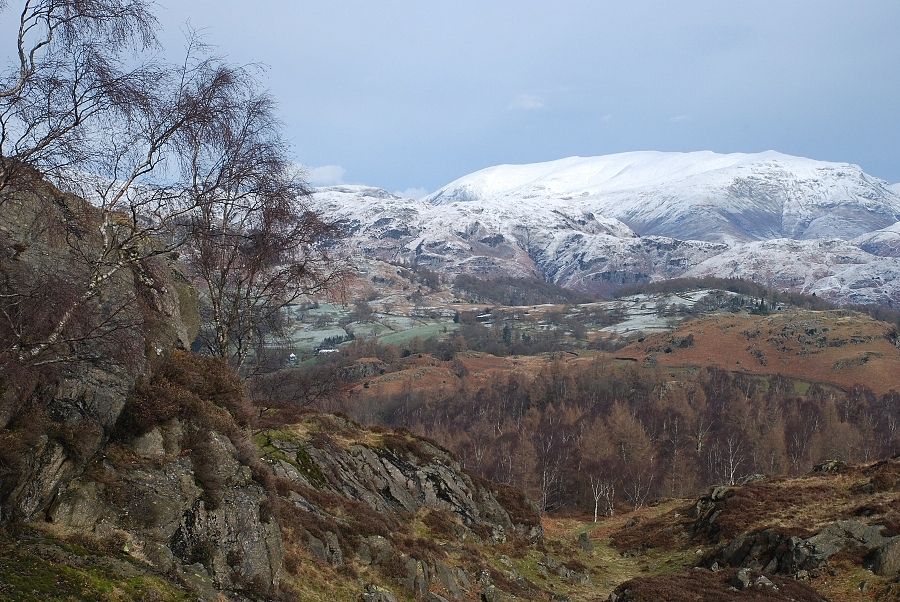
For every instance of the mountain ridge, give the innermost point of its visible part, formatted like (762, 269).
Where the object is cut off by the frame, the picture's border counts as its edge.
(829, 225)
(699, 195)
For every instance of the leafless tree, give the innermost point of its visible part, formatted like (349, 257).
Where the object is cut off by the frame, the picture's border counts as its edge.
(162, 153)
(254, 245)
(64, 79)
(280, 395)
(602, 488)
(638, 483)
(136, 196)
(701, 429)
(727, 458)
(65, 73)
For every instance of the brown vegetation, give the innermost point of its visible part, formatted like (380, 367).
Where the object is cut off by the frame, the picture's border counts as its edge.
(839, 347)
(798, 506)
(515, 291)
(554, 427)
(803, 504)
(703, 585)
(186, 386)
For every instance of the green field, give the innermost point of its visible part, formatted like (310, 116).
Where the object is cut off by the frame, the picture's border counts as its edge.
(427, 331)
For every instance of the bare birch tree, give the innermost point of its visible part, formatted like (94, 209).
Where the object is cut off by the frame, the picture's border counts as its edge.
(602, 488)
(255, 246)
(66, 72)
(153, 149)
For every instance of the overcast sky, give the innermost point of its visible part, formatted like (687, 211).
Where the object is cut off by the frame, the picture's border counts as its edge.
(411, 94)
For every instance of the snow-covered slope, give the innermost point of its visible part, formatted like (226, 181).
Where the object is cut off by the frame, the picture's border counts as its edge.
(833, 269)
(699, 195)
(458, 237)
(884, 242)
(785, 221)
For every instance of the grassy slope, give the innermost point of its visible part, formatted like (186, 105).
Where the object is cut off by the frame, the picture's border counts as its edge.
(800, 505)
(607, 565)
(37, 568)
(839, 347)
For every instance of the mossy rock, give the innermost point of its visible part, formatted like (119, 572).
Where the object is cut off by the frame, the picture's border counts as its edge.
(267, 442)
(45, 571)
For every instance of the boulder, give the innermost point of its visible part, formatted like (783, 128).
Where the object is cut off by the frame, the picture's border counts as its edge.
(887, 559)
(454, 580)
(720, 492)
(418, 576)
(80, 509)
(742, 579)
(830, 467)
(842, 534)
(585, 543)
(492, 594)
(773, 551)
(550, 562)
(150, 445)
(47, 468)
(763, 583)
(376, 550)
(374, 593)
(753, 478)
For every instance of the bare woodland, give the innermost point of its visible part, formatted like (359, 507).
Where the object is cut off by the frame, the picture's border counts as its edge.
(596, 437)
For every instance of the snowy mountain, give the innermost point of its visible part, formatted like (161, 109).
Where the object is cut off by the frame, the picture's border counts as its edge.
(593, 223)
(699, 195)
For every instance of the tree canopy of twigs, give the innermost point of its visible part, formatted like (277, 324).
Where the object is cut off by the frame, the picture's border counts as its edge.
(65, 73)
(254, 246)
(168, 157)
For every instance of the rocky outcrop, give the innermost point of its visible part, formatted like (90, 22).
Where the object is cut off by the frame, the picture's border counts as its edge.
(395, 481)
(188, 496)
(78, 403)
(392, 473)
(773, 551)
(197, 516)
(861, 525)
(203, 519)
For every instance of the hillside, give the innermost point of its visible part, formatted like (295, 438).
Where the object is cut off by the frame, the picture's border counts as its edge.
(138, 470)
(884, 242)
(715, 400)
(838, 347)
(833, 533)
